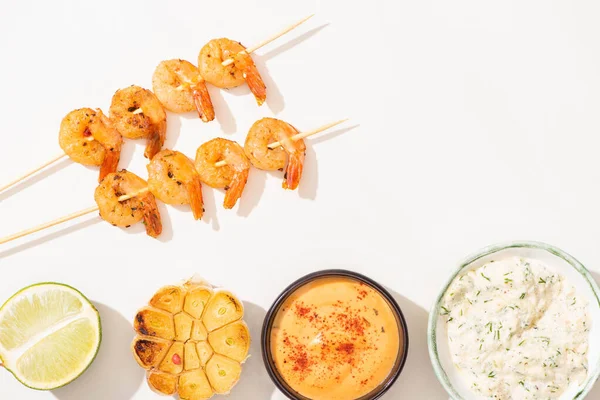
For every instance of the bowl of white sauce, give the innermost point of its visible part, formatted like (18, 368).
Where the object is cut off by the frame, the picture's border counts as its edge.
(517, 321)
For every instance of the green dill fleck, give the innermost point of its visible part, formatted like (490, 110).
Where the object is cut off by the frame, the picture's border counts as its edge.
(488, 279)
(541, 281)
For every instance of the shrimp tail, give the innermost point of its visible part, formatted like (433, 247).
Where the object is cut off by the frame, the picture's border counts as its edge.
(203, 102)
(293, 172)
(255, 83)
(151, 214)
(235, 189)
(156, 141)
(110, 163)
(112, 141)
(194, 190)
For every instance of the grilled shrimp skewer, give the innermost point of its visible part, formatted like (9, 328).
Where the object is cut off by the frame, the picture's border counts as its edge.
(180, 88)
(137, 114)
(193, 91)
(225, 63)
(87, 137)
(290, 154)
(173, 179)
(221, 152)
(122, 212)
(242, 69)
(232, 177)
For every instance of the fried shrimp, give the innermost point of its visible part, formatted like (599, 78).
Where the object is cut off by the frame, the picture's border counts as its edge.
(232, 176)
(242, 69)
(137, 113)
(88, 137)
(128, 212)
(173, 179)
(180, 88)
(270, 130)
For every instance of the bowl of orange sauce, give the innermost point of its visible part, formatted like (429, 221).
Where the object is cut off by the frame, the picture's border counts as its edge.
(334, 335)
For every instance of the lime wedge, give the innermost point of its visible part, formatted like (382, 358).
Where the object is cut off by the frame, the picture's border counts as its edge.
(49, 334)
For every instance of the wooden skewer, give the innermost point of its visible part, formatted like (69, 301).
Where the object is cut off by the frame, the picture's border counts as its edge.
(66, 218)
(302, 135)
(48, 224)
(33, 171)
(297, 136)
(134, 194)
(269, 40)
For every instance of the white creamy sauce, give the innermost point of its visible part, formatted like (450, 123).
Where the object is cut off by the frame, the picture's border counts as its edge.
(517, 330)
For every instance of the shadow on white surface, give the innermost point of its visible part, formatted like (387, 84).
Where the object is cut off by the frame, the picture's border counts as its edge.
(174, 128)
(417, 380)
(32, 180)
(310, 176)
(127, 153)
(114, 374)
(254, 384)
(210, 207)
(223, 113)
(47, 237)
(291, 44)
(330, 135)
(309, 182)
(135, 229)
(275, 99)
(253, 191)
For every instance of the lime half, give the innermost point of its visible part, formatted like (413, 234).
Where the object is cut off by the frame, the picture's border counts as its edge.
(49, 334)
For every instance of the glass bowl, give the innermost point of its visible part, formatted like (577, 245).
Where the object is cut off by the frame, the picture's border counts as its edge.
(557, 260)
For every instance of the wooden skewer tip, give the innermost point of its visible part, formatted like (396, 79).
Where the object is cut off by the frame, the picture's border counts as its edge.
(303, 135)
(269, 40)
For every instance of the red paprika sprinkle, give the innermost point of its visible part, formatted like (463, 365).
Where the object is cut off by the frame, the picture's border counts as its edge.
(176, 359)
(347, 348)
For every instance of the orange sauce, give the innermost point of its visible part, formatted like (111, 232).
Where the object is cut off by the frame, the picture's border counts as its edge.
(335, 338)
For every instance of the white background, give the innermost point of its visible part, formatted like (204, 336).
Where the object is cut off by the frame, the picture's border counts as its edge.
(472, 122)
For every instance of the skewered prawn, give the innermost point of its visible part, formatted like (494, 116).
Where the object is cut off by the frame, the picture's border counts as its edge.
(180, 88)
(76, 130)
(128, 212)
(270, 130)
(173, 179)
(137, 113)
(242, 69)
(232, 177)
